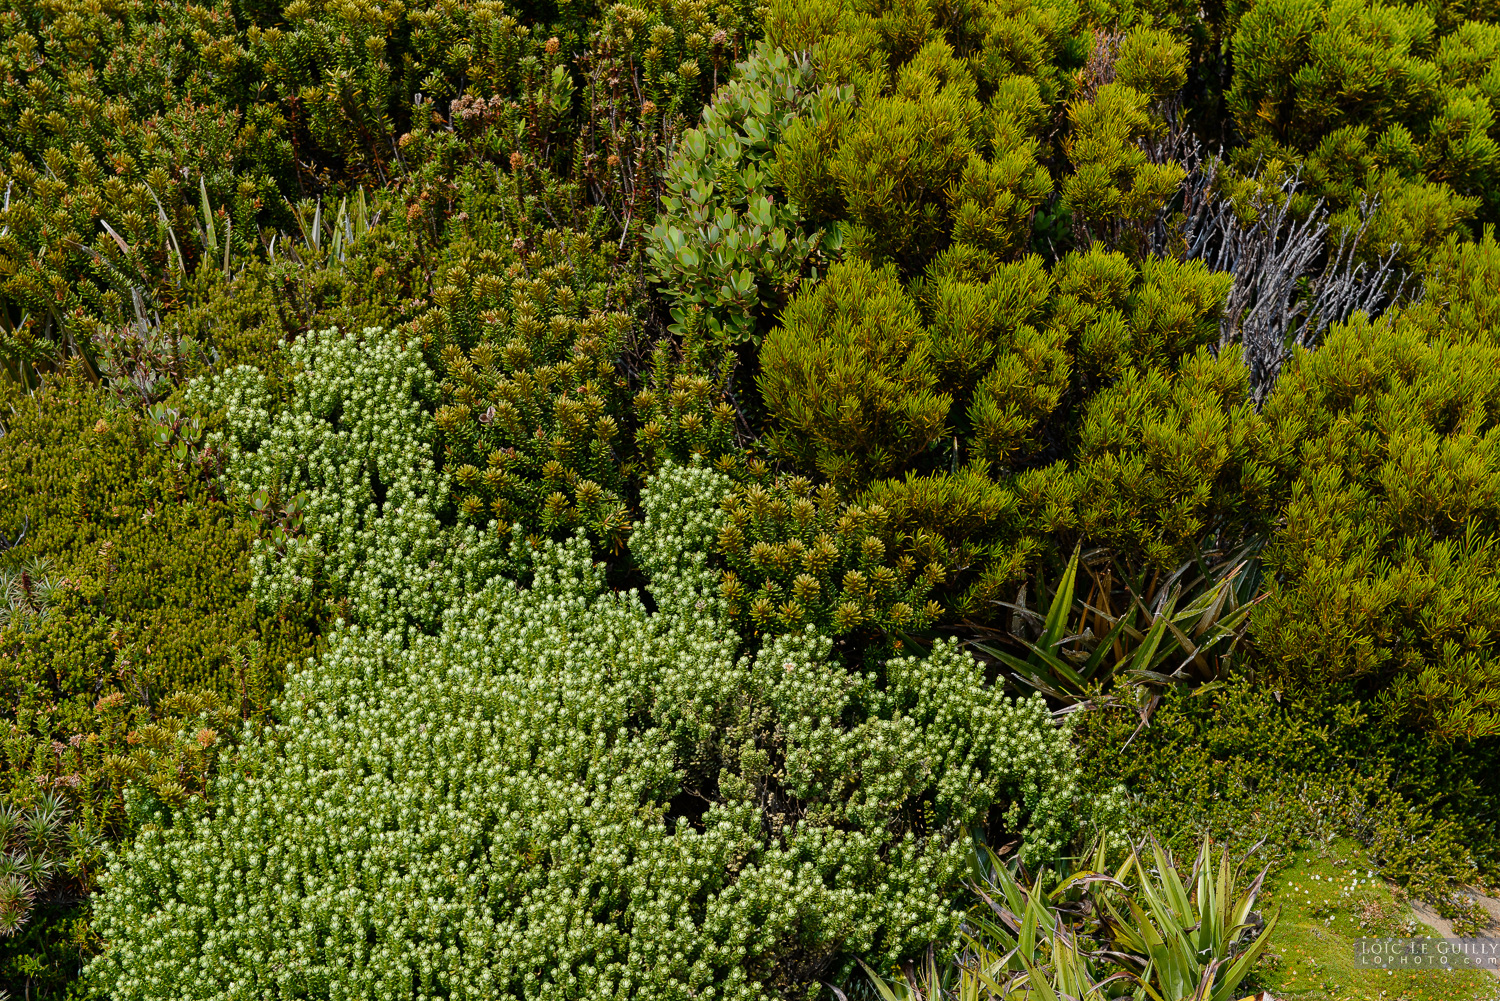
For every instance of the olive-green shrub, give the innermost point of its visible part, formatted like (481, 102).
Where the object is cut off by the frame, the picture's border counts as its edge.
(535, 418)
(848, 379)
(133, 116)
(1384, 590)
(83, 475)
(970, 523)
(454, 279)
(530, 119)
(561, 792)
(130, 649)
(1373, 101)
(796, 556)
(683, 417)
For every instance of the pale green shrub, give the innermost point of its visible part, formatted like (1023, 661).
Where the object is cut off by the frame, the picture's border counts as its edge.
(563, 794)
(357, 440)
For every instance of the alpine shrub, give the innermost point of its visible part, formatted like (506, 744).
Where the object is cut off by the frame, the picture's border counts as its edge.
(1115, 192)
(728, 245)
(563, 793)
(1091, 409)
(982, 319)
(905, 172)
(682, 418)
(847, 377)
(1385, 588)
(1164, 462)
(796, 556)
(531, 423)
(1375, 102)
(355, 440)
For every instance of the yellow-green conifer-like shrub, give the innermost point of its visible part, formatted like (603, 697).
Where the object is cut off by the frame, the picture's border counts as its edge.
(1385, 570)
(995, 349)
(847, 376)
(1165, 460)
(901, 152)
(1115, 192)
(1372, 100)
(992, 202)
(1091, 409)
(919, 161)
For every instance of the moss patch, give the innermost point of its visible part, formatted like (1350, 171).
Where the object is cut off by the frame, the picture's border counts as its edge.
(1329, 896)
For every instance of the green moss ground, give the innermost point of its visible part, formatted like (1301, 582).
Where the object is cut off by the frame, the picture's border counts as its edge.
(1330, 896)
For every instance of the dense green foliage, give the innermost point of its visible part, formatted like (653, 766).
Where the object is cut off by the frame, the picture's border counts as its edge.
(726, 249)
(559, 499)
(1093, 410)
(1383, 571)
(566, 858)
(129, 646)
(795, 557)
(1254, 764)
(1384, 101)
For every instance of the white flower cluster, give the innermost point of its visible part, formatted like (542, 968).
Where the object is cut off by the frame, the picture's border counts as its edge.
(242, 395)
(673, 543)
(356, 439)
(563, 794)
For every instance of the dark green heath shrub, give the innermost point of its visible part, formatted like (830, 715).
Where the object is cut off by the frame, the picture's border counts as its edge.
(130, 648)
(1252, 763)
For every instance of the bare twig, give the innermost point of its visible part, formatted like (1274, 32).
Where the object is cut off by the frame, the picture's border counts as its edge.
(1289, 284)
